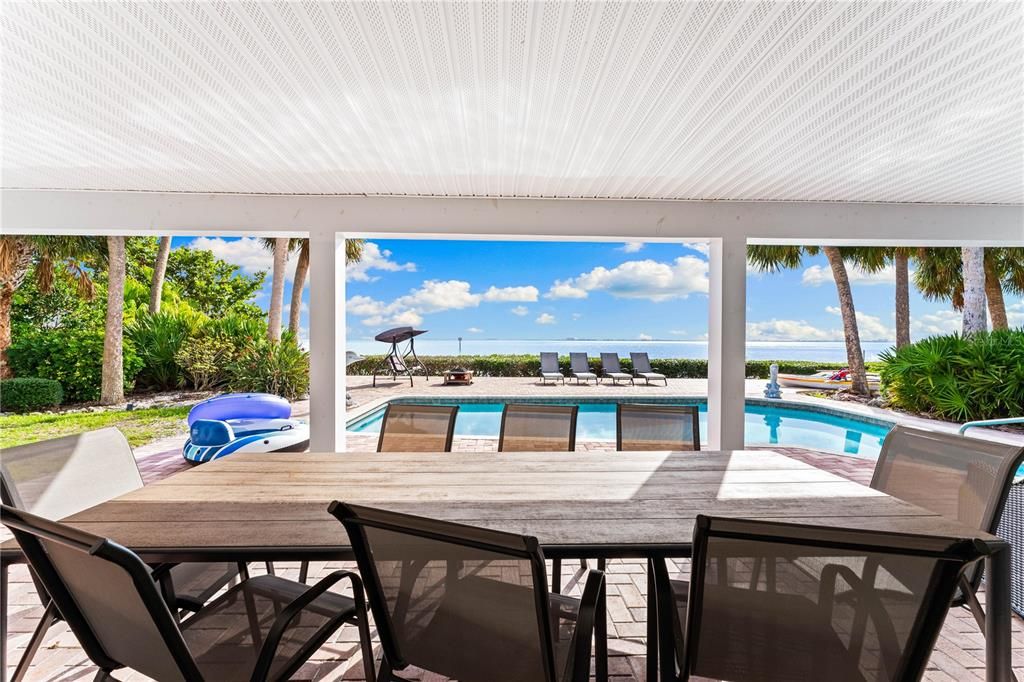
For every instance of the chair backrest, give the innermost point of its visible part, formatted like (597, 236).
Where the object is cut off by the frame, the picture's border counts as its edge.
(549, 363)
(610, 362)
(657, 427)
(417, 428)
(397, 363)
(641, 363)
(106, 595)
(579, 362)
(463, 602)
(59, 477)
(771, 601)
(538, 428)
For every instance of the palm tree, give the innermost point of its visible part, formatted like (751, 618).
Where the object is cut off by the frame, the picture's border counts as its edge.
(156, 289)
(775, 258)
(874, 259)
(112, 386)
(280, 246)
(974, 320)
(939, 277)
(19, 252)
(353, 254)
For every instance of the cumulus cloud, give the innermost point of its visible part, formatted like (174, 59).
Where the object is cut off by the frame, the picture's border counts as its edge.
(545, 318)
(631, 246)
(644, 337)
(700, 247)
(474, 330)
(871, 328)
(788, 330)
(374, 258)
(248, 253)
(816, 275)
(520, 310)
(526, 294)
(939, 322)
(577, 316)
(648, 279)
(1015, 314)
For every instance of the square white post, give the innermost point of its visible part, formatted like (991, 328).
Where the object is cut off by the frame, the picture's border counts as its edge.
(727, 321)
(327, 427)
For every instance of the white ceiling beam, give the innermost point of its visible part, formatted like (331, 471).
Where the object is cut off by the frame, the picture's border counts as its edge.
(93, 212)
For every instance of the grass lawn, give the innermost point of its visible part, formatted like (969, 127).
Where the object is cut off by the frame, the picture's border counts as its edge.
(139, 426)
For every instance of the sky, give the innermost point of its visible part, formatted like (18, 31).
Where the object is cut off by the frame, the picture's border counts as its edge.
(587, 290)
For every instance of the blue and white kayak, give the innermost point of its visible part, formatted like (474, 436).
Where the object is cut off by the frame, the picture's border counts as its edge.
(211, 439)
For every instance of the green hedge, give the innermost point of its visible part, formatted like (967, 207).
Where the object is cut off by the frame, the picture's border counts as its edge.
(957, 378)
(27, 394)
(529, 365)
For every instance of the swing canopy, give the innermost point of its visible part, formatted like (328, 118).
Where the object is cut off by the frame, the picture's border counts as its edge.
(398, 334)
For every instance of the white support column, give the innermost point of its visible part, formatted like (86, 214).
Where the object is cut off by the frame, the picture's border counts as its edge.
(327, 427)
(727, 322)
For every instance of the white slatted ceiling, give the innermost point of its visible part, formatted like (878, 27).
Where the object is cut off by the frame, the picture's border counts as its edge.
(850, 101)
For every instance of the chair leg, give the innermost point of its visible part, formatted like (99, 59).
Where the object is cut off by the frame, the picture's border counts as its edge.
(366, 644)
(38, 636)
(303, 571)
(556, 576)
(600, 628)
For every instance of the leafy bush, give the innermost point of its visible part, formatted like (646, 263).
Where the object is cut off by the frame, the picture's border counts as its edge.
(957, 378)
(72, 356)
(204, 361)
(529, 365)
(24, 394)
(157, 339)
(280, 368)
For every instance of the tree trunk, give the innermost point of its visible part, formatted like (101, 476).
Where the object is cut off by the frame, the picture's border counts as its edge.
(112, 389)
(854, 354)
(974, 289)
(298, 284)
(994, 296)
(15, 260)
(277, 290)
(156, 289)
(6, 298)
(901, 261)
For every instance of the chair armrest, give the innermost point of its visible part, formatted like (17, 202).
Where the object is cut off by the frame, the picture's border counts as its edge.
(284, 619)
(593, 591)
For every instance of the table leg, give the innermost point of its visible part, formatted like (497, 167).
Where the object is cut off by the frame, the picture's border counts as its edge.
(998, 652)
(601, 631)
(652, 624)
(4, 567)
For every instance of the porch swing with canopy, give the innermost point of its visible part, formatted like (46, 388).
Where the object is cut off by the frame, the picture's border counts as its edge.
(396, 362)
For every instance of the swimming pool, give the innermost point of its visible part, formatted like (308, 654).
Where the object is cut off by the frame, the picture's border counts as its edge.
(765, 424)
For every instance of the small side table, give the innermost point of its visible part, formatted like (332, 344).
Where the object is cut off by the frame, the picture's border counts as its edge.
(458, 377)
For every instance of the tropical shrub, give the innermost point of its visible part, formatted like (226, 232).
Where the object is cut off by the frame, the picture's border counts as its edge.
(157, 339)
(280, 368)
(529, 365)
(204, 361)
(72, 356)
(27, 394)
(957, 378)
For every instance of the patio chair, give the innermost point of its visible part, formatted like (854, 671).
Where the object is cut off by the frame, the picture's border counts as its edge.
(967, 479)
(263, 628)
(538, 428)
(656, 427)
(431, 584)
(63, 476)
(549, 369)
(580, 368)
(611, 369)
(828, 606)
(417, 428)
(642, 368)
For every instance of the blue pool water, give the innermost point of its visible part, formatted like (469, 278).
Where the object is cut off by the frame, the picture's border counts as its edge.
(765, 425)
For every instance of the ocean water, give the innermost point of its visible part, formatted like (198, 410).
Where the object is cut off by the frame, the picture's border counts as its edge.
(819, 351)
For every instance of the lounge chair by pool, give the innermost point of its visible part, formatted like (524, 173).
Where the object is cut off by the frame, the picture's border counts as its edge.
(642, 368)
(549, 368)
(611, 369)
(580, 368)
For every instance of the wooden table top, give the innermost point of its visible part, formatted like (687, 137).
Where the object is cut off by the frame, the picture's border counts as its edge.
(274, 506)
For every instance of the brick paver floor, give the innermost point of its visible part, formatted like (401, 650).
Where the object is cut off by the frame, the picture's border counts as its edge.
(959, 653)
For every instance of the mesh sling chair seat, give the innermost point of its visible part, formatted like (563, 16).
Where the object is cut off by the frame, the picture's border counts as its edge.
(642, 368)
(612, 369)
(63, 476)
(264, 628)
(538, 428)
(579, 367)
(962, 478)
(417, 428)
(549, 370)
(656, 427)
(774, 602)
(467, 603)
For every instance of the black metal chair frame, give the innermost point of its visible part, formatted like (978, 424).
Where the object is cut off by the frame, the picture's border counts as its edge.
(28, 528)
(671, 409)
(959, 555)
(572, 409)
(353, 518)
(453, 411)
(969, 582)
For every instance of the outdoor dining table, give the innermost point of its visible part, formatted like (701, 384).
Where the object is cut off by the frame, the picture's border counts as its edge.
(273, 506)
